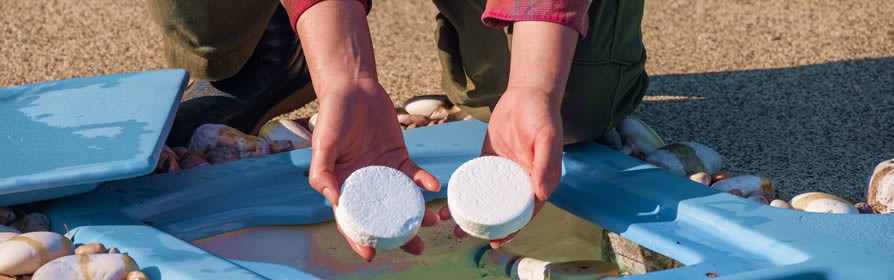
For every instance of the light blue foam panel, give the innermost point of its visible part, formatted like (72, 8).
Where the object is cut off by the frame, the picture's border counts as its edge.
(61, 138)
(711, 232)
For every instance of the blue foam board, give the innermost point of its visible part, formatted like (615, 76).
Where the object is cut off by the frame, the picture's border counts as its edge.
(61, 138)
(711, 232)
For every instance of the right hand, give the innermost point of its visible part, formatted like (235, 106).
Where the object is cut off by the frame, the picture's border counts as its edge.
(357, 127)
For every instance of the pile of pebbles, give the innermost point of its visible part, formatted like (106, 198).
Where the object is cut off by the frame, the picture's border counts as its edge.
(28, 250)
(702, 164)
(218, 143)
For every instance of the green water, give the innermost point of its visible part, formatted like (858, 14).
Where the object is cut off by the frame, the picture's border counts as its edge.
(459, 266)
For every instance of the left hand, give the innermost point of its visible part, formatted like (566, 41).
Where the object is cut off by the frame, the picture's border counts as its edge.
(526, 128)
(526, 125)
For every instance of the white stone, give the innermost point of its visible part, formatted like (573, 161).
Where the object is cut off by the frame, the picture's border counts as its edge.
(779, 203)
(685, 158)
(490, 197)
(749, 185)
(426, 105)
(379, 207)
(701, 178)
(7, 236)
(312, 122)
(635, 131)
(822, 203)
(880, 194)
(281, 129)
(884, 194)
(828, 205)
(24, 253)
(94, 266)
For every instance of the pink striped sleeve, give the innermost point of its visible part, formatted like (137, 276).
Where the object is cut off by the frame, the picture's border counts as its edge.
(296, 8)
(571, 13)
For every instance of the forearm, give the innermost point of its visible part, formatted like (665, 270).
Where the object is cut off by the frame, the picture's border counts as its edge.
(337, 46)
(542, 53)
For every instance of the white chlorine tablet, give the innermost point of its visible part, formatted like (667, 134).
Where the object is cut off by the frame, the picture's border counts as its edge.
(490, 197)
(379, 207)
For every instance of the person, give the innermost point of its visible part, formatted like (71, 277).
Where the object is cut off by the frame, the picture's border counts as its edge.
(541, 73)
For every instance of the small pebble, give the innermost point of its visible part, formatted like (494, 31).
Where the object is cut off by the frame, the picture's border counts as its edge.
(719, 176)
(180, 151)
(701, 178)
(222, 154)
(279, 146)
(407, 119)
(137, 275)
(285, 130)
(193, 159)
(90, 248)
(167, 161)
(7, 216)
(736, 192)
(864, 208)
(779, 203)
(33, 222)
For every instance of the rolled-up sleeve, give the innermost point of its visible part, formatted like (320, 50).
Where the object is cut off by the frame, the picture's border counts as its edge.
(295, 8)
(571, 13)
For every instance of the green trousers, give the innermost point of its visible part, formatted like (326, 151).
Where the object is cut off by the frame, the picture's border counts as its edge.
(214, 39)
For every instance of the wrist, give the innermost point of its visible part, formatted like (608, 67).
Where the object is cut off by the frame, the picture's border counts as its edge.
(552, 99)
(341, 89)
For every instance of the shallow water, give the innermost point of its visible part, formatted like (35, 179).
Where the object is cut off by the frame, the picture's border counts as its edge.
(554, 235)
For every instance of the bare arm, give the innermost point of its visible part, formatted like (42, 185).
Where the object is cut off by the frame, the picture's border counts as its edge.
(526, 124)
(357, 125)
(541, 59)
(335, 37)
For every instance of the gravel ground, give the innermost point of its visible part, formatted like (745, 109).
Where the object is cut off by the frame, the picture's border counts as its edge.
(793, 90)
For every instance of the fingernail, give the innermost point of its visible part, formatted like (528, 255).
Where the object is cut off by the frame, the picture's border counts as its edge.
(330, 195)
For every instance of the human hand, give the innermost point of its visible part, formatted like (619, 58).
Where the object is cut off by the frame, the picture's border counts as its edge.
(357, 127)
(526, 128)
(526, 125)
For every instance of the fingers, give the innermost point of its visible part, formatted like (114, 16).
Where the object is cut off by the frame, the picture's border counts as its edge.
(444, 213)
(367, 253)
(430, 218)
(487, 148)
(421, 177)
(497, 243)
(547, 165)
(414, 246)
(322, 172)
(459, 233)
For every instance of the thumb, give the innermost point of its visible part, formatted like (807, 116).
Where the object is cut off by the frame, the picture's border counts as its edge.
(421, 177)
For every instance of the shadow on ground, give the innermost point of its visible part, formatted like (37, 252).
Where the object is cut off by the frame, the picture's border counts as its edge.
(829, 123)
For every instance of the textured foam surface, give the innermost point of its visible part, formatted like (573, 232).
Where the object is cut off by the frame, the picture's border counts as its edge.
(379, 207)
(490, 197)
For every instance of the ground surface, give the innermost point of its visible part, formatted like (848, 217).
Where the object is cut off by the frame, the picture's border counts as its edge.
(799, 91)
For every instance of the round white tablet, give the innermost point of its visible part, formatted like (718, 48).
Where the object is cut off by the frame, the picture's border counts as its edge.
(379, 207)
(490, 197)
